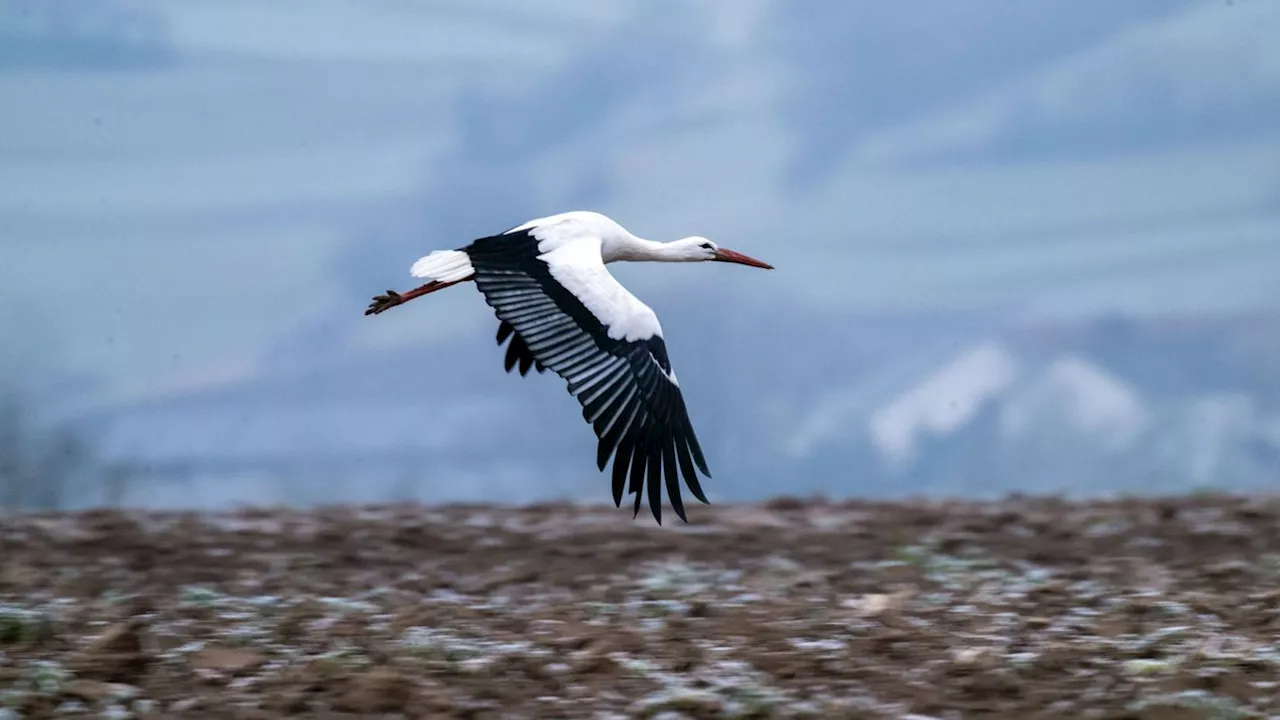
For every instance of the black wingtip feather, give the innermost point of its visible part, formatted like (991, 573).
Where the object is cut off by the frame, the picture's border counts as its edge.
(621, 461)
(603, 451)
(697, 455)
(673, 478)
(638, 464)
(509, 360)
(610, 437)
(693, 443)
(518, 354)
(687, 469)
(655, 479)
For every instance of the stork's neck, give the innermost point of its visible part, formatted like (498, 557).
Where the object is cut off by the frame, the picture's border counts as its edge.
(629, 248)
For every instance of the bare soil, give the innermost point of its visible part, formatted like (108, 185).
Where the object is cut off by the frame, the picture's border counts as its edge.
(1026, 608)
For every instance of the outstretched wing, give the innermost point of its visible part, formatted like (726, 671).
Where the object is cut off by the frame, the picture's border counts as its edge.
(577, 320)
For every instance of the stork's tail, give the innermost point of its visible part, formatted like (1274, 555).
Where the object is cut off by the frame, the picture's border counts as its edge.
(446, 266)
(441, 269)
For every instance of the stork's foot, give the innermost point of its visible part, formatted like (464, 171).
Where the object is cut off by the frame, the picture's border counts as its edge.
(384, 302)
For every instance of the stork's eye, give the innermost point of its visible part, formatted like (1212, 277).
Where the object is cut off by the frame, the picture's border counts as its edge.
(707, 246)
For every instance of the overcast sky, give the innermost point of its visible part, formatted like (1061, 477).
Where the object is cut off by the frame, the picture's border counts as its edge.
(185, 187)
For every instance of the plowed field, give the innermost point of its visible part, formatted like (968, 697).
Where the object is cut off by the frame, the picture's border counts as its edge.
(1025, 608)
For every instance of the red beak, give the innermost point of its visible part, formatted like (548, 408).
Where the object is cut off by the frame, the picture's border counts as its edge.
(730, 256)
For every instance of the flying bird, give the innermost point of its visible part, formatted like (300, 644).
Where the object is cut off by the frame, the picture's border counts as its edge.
(560, 309)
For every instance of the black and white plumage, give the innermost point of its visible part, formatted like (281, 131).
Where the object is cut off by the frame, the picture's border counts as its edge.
(560, 309)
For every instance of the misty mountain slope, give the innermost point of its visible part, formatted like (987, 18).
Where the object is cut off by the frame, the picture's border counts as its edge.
(1045, 408)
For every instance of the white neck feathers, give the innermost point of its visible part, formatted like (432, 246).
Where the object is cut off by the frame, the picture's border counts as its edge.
(635, 249)
(632, 248)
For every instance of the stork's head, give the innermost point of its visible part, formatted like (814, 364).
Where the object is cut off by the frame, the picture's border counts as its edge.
(700, 249)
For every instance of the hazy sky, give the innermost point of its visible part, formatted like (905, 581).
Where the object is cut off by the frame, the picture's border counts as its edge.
(188, 187)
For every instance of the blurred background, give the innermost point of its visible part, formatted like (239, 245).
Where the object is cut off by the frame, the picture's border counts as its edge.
(1020, 247)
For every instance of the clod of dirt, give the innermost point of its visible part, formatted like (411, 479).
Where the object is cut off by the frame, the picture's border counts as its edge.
(380, 690)
(96, 691)
(117, 655)
(227, 660)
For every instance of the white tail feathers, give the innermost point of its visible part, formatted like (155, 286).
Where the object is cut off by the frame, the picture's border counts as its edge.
(444, 266)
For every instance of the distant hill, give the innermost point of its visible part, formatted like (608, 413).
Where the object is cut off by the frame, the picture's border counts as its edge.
(1107, 405)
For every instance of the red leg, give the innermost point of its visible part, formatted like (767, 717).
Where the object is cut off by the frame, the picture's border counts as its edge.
(392, 298)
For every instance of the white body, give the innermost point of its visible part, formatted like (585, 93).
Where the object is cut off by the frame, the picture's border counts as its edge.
(577, 245)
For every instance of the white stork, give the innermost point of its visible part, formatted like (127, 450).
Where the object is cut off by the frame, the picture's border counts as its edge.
(546, 281)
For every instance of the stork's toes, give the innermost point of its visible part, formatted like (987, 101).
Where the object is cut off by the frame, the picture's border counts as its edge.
(383, 302)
